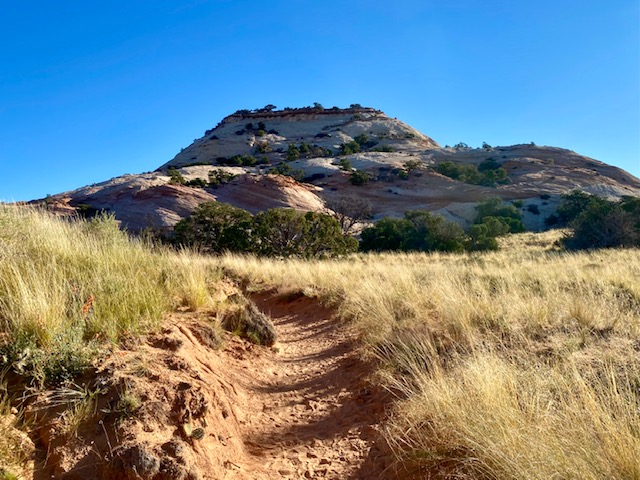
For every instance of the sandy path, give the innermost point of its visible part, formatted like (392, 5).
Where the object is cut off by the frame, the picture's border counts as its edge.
(310, 412)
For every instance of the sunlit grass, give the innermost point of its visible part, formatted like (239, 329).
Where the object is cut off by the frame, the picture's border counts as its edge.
(522, 363)
(67, 287)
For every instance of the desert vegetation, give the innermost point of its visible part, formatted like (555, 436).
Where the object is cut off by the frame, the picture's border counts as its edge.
(69, 288)
(597, 222)
(515, 364)
(279, 232)
(488, 173)
(422, 231)
(521, 363)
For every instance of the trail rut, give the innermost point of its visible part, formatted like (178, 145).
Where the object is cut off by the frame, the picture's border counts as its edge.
(305, 409)
(311, 411)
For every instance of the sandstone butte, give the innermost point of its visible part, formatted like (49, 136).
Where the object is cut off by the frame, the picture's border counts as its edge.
(537, 175)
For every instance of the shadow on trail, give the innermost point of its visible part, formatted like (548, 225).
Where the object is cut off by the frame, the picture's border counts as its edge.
(336, 403)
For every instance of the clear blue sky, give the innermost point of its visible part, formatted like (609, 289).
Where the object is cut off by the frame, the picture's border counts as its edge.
(90, 90)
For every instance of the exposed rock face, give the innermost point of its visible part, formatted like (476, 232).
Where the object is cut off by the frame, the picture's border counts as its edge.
(244, 134)
(536, 175)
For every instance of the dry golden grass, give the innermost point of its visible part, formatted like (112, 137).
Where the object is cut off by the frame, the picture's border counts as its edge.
(522, 363)
(68, 286)
(517, 364)
(70, 289)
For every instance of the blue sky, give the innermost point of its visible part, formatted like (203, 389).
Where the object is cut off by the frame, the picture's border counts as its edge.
(95, 89)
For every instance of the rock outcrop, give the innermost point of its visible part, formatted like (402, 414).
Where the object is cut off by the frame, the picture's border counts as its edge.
(258, 154)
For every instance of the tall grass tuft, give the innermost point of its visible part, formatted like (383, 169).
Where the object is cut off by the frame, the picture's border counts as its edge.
(69, 286)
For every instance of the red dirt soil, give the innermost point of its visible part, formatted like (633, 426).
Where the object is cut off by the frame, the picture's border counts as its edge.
(302, 409)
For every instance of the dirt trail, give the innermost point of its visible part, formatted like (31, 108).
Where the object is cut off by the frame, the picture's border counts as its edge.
(304, 409)
(311, 412)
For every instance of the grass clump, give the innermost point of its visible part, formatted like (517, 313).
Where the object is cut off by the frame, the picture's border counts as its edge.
(243, 318)
(489, 418)
(68, 288)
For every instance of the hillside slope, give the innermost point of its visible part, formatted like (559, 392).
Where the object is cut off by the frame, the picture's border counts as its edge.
(320, 147)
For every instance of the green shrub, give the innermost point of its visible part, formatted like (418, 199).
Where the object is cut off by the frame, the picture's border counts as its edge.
(175, 177)
(293, 153)
(411, 165)
(238, 160)
(290, 233)
(318, 151)
(418, 231)
(387, 234)
(349, 148)
(448, 169)
(533, 208)
(606, 224)
(197, 183)
(286, 170)
(383, 148)
(263, 147)
(507, 214)
(574, 203)
(67, 357)
(434, 232)
(489, 164)
(488, 173)
(219, 177)
(359, 178)
(216, 227)
(304, 149)
(482, 238)
(345, 164)
(364, 141)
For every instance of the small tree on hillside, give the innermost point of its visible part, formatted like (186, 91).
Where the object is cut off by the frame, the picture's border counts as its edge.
(359, 177)
(606, 224)
(506, 213)
(293, 153)
(575, 203)
(286, 232)
(216, 227)
(175, 177)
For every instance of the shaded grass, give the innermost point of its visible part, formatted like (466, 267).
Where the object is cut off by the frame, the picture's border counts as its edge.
(12, 453)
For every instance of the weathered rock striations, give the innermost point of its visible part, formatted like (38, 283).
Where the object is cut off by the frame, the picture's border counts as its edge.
(397, 158)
